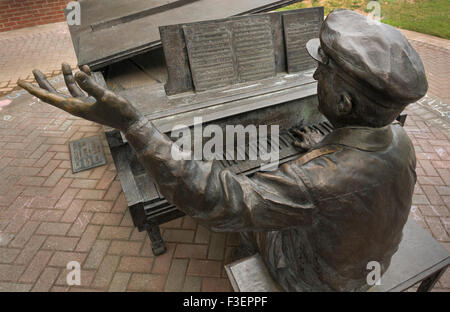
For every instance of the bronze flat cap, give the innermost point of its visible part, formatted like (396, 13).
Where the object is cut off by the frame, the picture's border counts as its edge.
(372, 52)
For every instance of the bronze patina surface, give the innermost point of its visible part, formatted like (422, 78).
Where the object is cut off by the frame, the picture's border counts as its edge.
(318, 220)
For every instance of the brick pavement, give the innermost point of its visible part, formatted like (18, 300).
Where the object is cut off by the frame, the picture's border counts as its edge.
(22, 50)
(49, 216)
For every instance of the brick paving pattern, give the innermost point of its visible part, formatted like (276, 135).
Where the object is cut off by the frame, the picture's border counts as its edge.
(49, 216)
(23, 50)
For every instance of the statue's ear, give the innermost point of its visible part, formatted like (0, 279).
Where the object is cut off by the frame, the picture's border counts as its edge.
(345, 105)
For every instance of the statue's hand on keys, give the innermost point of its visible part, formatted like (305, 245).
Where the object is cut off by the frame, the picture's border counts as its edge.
(99, 105)
(305, 138)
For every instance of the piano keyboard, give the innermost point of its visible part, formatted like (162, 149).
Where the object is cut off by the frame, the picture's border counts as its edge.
(287, 151)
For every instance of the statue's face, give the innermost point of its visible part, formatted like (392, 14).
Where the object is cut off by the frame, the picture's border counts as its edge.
(326, 93)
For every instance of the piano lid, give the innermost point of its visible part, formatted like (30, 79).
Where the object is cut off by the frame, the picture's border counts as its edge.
(113, 30)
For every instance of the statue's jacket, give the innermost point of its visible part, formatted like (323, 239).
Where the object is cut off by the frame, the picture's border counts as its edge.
(318, 220)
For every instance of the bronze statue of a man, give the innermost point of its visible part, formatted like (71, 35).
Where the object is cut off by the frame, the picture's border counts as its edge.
(319, 220)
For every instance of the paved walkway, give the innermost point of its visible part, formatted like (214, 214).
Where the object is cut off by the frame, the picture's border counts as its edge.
(49, 216)
(23, 50)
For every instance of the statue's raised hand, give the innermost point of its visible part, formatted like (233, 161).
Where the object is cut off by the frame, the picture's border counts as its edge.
(100, 105)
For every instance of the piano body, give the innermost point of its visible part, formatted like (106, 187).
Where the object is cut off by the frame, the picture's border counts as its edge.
(241, 70)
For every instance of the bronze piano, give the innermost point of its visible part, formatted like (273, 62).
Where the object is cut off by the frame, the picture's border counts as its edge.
(242, 70)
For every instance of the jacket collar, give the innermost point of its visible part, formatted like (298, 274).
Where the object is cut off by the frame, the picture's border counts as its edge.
(363, 138)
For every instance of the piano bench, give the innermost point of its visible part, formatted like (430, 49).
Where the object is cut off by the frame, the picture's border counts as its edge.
(419, 259)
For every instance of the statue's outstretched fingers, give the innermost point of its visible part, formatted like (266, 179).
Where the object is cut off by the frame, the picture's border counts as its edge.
(58, 100)
(86, 69)
(88, 84)
(42, 81)
(71, 84)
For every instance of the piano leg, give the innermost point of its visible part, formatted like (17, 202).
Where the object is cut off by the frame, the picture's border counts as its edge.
(158, 245)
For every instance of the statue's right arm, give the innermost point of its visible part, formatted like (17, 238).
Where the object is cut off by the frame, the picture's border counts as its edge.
(216, 197)
(212, 195)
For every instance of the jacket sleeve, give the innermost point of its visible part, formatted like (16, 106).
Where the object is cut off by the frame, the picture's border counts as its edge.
(216, 197)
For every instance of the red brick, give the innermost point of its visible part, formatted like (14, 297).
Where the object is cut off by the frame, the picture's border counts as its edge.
(121, 204)
(53, 228)
(8, 255)
(71, 214)
(80, 224)
(115, 232)
(66, 198)
(183, 236)
(216, 285)
(114, 190)
(106, 271)
(125, 248)
(48, 169)
(40, 151)
(427, 180)
(36, 266)
(62, 258)
(54, 178)
(107, 218)
(10, 273)
(98, 206)
(204, 268)
(437, 228)
(84, 183)
(61, 243)
(46, 280)
(106, 180)
(88, 238)
(191, 251)
(119, 282)
(147, 282)
(174, 224)
(192, 284)
(97, 173)
(136, 264)
(60, 189)
(44, 202)
(96, 254)
(127, 220)
(30, 249)
(62, 156)
(138, 236)
(47, 215)
(217, 246)
(189, 223)
(31, 181)
(91, 194)
(202, 235)
(24, 235)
